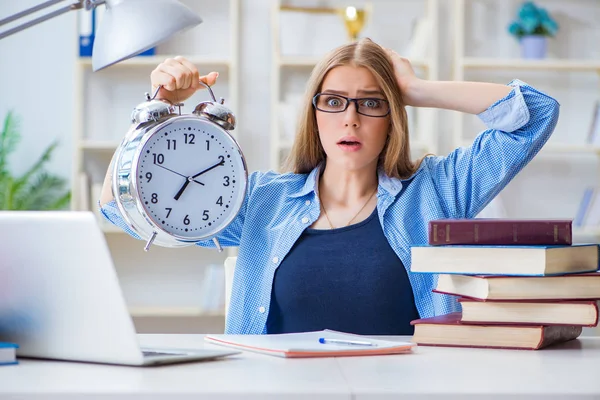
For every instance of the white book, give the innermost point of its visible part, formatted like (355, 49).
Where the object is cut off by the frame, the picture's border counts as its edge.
(325, 343)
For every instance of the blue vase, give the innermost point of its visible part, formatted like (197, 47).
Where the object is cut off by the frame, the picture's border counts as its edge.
(533, 46)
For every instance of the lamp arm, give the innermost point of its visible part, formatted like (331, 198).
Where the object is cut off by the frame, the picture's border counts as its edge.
(87, 4)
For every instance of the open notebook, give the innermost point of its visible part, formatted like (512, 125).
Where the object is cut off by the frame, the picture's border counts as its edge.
(324, 343)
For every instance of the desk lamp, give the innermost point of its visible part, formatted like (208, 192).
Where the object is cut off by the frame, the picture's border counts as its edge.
(128, 28)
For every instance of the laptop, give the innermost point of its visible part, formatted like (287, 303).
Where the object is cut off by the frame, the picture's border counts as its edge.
(60, 297)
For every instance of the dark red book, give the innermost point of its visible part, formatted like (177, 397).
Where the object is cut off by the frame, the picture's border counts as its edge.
(498, 231)
(448, 330)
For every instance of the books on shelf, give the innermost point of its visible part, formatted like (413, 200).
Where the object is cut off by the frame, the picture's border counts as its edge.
(326, 343)
(8, 353)
(594, 132)
(494, 231)
(505, 260)
(448, 330)
(584, 207)
(588, 214)
(501, 287)
(511, 296)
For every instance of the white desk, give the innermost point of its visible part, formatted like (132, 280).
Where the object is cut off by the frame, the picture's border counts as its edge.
(565, 371)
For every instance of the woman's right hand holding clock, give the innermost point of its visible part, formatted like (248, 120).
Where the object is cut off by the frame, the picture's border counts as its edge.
(179, 79)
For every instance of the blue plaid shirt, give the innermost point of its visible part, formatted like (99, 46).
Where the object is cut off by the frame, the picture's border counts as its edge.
(278, 207)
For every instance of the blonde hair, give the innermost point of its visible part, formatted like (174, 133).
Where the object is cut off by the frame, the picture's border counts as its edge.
(307, 151)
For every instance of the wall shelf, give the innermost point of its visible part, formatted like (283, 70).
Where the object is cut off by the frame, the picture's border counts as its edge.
(192, 312)
(571, 148)
(587, 231)
(559, 148)
(311, 61)
(101, 145)
(106, 228)
(157, 59)
(545, 65)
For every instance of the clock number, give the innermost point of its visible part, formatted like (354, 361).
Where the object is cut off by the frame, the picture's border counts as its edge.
(207, 145)
(168, 211)
(226, 183)
(205, 215)
(154, 199)
(186, 220)
(220, 200)
(171, 141)
(189, 138)
(222, 159)
(158, 158)
(149, 176)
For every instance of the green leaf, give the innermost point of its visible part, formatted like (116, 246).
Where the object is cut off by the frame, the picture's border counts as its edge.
(36, 189)
(61, 203)
(7, 192)
(41, 193)
(9, 138)
(37, 166)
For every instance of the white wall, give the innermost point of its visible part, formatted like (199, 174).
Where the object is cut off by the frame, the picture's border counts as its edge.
(35, 78)
(36, 66)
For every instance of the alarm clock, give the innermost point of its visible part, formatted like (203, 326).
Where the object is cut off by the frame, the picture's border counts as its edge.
(179, 178)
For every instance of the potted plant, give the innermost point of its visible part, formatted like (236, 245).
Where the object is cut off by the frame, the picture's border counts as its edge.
(532, 28)
(35, 189)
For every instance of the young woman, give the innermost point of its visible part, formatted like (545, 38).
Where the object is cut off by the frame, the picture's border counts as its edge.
(327, 245)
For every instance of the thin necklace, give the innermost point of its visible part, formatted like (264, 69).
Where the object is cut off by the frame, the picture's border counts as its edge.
(355, 215)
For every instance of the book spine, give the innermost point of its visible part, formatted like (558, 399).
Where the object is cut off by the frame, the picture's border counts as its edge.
(558, 334)
(467, 232)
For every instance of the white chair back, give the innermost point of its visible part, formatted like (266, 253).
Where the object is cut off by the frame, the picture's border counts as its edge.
(229, 270)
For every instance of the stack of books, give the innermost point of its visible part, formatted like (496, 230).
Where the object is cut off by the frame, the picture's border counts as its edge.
(521, 284)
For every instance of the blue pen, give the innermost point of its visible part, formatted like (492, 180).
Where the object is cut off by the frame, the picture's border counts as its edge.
(346, 342)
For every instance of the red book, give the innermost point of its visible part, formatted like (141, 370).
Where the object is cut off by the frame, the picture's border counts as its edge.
(496, 231)
(529, 312)
(584, 286)
(448, 330)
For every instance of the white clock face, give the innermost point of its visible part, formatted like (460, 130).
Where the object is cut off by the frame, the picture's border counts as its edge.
(191, 178)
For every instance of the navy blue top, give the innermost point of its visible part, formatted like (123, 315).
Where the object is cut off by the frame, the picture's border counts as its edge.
(347, 279)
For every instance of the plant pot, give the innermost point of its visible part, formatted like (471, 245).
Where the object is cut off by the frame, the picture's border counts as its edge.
(534, 46)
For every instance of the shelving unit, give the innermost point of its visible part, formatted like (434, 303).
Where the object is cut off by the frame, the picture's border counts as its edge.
(104, 101)
(520, 64)
(423, 122)
(465, 63)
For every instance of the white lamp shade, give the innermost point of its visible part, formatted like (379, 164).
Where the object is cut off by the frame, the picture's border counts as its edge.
(130, 27)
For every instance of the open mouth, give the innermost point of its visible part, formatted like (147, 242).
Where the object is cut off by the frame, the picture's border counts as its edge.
(349, 145)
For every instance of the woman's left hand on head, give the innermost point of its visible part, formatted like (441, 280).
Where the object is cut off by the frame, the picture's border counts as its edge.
(405, 77)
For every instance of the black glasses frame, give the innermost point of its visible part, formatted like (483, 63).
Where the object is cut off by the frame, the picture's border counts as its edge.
(348, 101)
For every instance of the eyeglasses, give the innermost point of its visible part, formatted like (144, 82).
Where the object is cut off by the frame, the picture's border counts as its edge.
(335, 103)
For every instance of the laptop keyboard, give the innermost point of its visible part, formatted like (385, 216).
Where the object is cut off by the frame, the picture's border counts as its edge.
(150, 353)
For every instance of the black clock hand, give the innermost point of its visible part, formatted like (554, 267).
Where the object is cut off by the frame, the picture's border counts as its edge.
(208, 169)
(191, 178)
(178, 194)
(177, 173)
